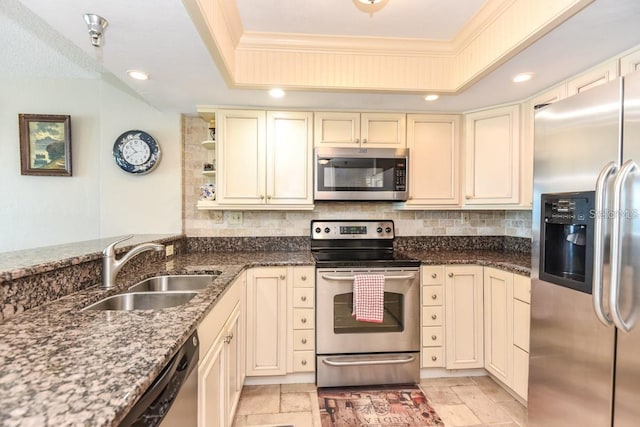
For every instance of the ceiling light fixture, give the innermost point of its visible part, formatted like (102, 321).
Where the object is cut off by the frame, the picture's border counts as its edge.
(276, 93)
(369, 1)
(370, 6)
(522, 77)
(138, 75)
(96, 25)
(431, 97)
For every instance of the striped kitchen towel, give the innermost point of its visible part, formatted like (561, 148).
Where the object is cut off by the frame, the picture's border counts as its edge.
(368, 297)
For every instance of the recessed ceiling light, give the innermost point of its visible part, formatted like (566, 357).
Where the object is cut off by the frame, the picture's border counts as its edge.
(431, 97)
(138, 75)
(522, 77)
(276, 93)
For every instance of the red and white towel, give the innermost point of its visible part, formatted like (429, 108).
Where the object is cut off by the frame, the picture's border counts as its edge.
(368, 297)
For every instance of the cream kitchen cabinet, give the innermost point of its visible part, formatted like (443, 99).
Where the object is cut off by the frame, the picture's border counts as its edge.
(349, 129)
(221, 370)
(492, 157)
(434, 160)
(498, 324)
(301, 329)
(433, 326)
(266, 321)
(521, 329)
(264, 160)
(594, 77)
(464, 316)
(630, 63)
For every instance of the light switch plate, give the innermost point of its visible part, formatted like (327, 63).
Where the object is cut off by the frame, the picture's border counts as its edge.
(168, 250)
(235, 218)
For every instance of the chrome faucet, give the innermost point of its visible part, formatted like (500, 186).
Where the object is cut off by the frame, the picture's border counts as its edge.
(111, 266)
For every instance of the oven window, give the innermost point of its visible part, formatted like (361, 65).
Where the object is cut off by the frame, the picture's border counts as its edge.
(345, 323)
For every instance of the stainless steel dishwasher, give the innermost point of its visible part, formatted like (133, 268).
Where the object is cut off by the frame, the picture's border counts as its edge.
(172, 398)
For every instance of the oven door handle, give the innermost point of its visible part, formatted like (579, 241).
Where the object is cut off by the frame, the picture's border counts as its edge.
(351, 278)
(381, 361)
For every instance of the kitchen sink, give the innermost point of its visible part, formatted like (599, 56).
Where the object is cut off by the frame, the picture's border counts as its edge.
(193, 282)
(143, 301)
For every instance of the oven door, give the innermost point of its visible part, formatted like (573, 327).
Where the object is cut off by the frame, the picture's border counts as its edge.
(337, 331)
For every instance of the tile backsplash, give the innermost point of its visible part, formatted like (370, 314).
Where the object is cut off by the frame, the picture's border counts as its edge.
(202, 223)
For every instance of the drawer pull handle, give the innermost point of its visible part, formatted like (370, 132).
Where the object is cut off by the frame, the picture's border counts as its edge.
(434, 296)
(434, 358)
(434, 275)
(434, 317)
(303, 278)
(303, 320)
(303, 363)
(303, 297)
(450, 274)
(304, 340)
(433, 337)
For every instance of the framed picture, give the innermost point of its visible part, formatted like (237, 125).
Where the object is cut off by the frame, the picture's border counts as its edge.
(45, 144)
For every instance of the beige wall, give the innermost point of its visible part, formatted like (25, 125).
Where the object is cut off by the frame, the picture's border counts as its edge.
(284, 223)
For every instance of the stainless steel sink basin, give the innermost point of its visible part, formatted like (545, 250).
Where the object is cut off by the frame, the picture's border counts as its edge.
(143, 301)
(174, 283)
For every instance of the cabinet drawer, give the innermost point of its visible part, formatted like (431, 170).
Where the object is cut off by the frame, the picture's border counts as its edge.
(432, 275)
(520, 372)
(432, 295)
(432, 316)
(303, 318)
(303, 361)
(303, 277)
(303, 297)
(521, 321)
(303, 339)
(522, 288)
(432, 336)
(432, 357)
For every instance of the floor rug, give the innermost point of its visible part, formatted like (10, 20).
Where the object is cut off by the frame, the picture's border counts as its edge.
(388, 406)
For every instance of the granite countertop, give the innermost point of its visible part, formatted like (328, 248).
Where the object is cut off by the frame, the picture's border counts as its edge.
(63, 366)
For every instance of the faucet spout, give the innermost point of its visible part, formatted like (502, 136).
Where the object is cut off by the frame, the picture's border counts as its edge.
(111, 266)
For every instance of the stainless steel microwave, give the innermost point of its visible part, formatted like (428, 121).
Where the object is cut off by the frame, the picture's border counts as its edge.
(361, 174)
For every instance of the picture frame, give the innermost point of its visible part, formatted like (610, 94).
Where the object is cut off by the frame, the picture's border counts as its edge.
(45, 144)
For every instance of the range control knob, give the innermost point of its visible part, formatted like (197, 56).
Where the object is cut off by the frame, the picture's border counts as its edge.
(379, 229)
(327, 229)
(318, 230)
(388, 229)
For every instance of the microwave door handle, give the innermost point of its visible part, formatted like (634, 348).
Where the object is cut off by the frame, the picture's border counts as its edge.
(616, 245)
(598, 244)
(351, 278)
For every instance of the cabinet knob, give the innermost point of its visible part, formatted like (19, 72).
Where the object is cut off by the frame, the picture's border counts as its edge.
(434, 275)
(364, 140)
(282, 277)
(303, 363)
(303, 340)
(450, 274)
(303, 320)
(303, 278)
(303, 297)
(433, 337)
(434, 317)
(434, 358)
(434, 296)
(268, 197)
(467, 197)
(262, 197)
(357, 141)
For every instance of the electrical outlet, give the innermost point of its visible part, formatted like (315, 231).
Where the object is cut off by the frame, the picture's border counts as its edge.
(168, 250)
(235, 218)
(464, 217)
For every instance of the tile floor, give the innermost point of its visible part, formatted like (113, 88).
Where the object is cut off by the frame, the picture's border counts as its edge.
(464, 401)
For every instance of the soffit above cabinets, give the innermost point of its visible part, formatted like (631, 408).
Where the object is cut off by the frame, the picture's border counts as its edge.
(496, 32)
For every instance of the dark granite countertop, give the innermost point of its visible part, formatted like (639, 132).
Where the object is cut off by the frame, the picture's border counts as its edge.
(63, 366)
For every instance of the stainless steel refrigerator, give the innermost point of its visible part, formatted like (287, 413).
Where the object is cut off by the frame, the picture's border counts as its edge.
(585, 341)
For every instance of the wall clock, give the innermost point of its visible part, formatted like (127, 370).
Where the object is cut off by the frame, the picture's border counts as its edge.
(136, 151)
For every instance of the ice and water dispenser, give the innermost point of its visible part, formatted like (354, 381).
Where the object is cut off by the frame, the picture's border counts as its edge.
(566, 253)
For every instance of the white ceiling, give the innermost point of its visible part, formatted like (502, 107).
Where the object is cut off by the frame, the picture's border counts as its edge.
(44, 37)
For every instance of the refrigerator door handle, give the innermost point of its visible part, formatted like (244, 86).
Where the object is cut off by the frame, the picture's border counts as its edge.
(598, 245)
(616, 245)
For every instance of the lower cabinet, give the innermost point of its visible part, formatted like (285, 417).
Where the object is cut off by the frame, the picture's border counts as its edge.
(301, 335)
(464, 317)
(221, 370)
(432, 280)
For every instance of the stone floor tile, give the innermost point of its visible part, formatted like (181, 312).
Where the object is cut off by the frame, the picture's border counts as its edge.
(493, 391)
(315, 409)
(517, 411)
(295, 402)
(297, 388)
(447, 382)
(486, 410)
(298, 419)
(441, 394)
(456, 415)
(259, 399)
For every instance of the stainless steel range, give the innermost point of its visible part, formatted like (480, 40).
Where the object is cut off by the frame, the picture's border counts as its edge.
(351, 352)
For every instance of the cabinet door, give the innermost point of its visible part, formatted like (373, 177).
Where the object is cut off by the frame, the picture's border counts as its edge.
(234, 363)
(336, 129)
(289, 158)
(630, 63)
(266, 321)
(383, 130)
(241, 157)
(434, 153)
(463, 317)
(211, 386)
(493, 156)
(595, 77)
(498, 324)
(520, 372)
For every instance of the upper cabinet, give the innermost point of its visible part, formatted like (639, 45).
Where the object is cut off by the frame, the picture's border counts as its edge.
(630, 63)
(592, 78)
(345, 129)
(434, 160)
(492, 154)
(264, 160)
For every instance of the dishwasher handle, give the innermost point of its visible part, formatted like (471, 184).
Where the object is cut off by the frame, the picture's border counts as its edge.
(154, 404)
